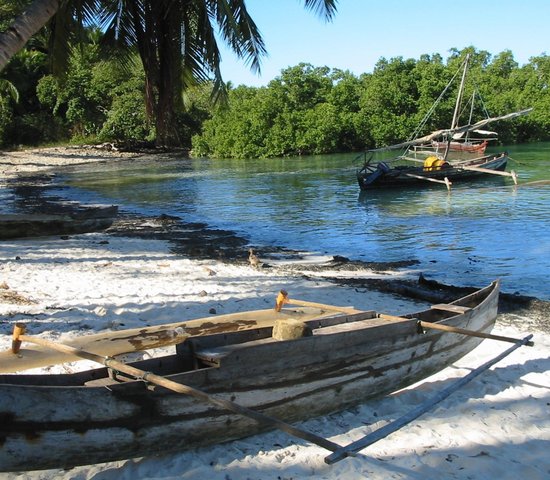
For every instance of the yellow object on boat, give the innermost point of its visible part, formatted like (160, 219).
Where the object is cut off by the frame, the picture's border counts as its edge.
(433, 163)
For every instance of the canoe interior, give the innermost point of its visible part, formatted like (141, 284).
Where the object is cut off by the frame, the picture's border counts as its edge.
(207, 351)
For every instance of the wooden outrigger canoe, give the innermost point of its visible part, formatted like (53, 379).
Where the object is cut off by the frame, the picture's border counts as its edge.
(60, 421)
(381, 175)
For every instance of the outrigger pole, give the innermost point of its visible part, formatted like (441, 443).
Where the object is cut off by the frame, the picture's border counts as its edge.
(386, 430)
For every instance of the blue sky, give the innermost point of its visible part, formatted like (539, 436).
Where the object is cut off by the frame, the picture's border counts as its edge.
(363, 31)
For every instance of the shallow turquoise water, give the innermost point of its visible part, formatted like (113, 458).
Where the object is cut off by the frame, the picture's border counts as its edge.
(477, 232)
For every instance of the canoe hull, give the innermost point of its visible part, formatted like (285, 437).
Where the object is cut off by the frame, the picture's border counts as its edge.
(47, 426)
(399, 176)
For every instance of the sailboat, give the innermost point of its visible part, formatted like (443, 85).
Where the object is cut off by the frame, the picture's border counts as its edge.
(427, 159)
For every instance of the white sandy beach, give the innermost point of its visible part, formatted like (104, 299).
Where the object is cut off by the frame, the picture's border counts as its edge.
(497, 426)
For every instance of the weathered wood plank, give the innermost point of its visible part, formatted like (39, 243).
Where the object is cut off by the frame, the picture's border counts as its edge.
(144, 338)
(451, 308)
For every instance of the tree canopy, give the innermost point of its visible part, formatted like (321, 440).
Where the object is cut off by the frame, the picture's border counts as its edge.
(176, 41)
(310, 110)
(65, 84)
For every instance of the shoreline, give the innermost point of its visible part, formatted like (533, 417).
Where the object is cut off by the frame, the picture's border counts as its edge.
(129, 277)
(496, 426)
(34, 160)
(202, 242)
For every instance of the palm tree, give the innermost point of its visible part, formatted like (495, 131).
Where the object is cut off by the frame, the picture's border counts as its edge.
(176, 41)
(13, 39)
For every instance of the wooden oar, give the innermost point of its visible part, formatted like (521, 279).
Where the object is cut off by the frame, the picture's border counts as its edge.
(19, 336)
(386, 430)
(471, 333)
(282, 299)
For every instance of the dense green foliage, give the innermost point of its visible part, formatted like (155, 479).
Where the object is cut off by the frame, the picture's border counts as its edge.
(176, 41)
(305, 110)
(163, 63)
(310, 110)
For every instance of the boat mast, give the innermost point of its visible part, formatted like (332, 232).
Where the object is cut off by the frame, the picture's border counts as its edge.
(471, 115)
(454, 123)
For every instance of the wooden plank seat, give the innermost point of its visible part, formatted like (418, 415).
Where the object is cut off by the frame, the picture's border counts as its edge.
(451, 308)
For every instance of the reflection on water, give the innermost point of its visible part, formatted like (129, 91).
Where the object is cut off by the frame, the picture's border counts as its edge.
(473, 234)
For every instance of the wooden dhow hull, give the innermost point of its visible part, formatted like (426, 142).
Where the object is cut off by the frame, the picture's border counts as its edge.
(470, 147)
(414, 176)
(54, 421)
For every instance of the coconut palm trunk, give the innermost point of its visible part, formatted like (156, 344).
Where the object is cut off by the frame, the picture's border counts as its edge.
(176, 40)
(24, 27)
(169, 101)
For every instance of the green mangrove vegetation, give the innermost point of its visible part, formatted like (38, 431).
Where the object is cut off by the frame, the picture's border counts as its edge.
(314, 110)
(102, 91)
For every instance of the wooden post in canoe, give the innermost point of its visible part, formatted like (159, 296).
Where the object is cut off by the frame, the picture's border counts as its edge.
(282, 298)
(386, 430)
(19, 335)
(18, 330)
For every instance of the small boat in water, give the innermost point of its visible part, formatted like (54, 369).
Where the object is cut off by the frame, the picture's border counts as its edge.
(90, 219)
(382, 175)
(443, 156)
(299, 366)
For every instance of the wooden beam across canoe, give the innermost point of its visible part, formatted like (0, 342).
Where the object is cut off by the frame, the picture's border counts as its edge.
(448, 328)
(283, 299)
(463, 331)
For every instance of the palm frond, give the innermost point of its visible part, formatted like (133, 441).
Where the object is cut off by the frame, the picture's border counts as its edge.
(323, 8)
(239, 31)
(69, 27)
